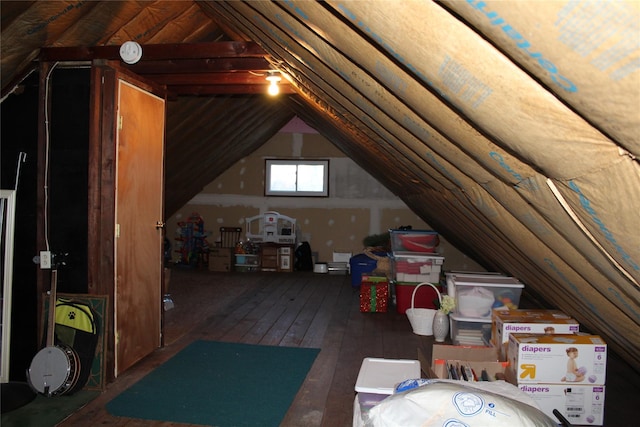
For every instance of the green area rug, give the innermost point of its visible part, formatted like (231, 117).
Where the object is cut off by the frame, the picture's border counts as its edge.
(219, 384)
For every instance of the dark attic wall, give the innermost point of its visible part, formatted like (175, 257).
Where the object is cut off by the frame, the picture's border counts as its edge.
(67, 194)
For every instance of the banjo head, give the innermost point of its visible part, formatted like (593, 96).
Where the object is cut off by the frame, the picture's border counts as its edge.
(51, 371)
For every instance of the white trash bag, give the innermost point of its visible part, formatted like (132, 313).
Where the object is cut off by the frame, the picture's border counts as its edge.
(454, 404)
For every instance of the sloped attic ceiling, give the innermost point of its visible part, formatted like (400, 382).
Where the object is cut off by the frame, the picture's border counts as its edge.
(513, 129)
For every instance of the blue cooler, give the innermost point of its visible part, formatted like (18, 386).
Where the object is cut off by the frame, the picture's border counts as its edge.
(361, 264)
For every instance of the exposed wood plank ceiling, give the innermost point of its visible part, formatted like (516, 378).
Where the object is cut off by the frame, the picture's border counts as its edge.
(499, 123)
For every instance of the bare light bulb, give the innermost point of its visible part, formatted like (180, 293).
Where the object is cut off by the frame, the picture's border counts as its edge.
(273, 85)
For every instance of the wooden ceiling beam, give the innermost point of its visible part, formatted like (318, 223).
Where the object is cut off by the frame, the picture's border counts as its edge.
(190, 90)
(155, 52)
(204, 65)
(232, 78)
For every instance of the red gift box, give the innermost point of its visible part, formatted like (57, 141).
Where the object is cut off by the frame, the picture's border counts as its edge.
(374, 295)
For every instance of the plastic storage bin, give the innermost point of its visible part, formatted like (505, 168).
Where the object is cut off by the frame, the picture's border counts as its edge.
(452, 276)
(425, 241)
(416, 268)
(380, 376)
(478, 296)
(470, 331)
(360, 264)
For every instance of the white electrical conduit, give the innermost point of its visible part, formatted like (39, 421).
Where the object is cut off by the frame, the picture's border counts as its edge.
(584, 229)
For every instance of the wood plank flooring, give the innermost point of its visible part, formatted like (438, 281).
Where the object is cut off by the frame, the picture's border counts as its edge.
(304, 310)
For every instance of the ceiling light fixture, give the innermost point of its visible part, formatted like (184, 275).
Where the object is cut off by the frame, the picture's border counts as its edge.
(130, 52)
(273, 78)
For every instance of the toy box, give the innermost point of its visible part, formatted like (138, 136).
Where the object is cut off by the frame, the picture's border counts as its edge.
(478, 296)
(416, 268)
(528, 321)
(569, 359)
(579, 404)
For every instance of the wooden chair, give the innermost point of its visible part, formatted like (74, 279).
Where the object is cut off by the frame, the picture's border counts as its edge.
(230, 236)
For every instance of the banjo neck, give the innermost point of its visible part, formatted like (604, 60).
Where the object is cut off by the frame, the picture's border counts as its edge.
(51, 320)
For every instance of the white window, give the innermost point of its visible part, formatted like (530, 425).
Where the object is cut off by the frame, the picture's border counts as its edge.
(297, 178)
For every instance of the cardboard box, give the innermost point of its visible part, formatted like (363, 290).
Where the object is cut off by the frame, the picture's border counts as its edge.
(478, 358)
(528, 321)
(542, 358)
(220, 259)
(579, 404)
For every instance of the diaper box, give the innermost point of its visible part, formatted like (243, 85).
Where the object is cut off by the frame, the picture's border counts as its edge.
(528, 321)
(579, 404)
(569, 359)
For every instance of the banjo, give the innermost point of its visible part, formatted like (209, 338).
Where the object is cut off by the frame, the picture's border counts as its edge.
(54, 369)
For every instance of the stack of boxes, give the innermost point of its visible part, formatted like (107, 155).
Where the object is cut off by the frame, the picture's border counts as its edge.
(477, 296)
(531, 322)
(413, 261)
(565, 372)
(552, 362)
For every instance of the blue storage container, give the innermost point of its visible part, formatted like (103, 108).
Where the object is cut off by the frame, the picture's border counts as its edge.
(359, 265)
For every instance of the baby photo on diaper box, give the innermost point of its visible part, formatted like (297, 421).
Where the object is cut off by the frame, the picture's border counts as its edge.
(561, 358)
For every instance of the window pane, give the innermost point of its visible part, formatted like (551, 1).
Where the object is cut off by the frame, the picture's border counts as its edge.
(283, 178)
(311, 178)
(302, 178)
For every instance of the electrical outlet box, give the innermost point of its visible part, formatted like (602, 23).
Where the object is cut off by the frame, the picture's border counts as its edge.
(45, 259)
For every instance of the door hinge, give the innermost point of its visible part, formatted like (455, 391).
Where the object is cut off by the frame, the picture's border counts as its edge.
(119, 122)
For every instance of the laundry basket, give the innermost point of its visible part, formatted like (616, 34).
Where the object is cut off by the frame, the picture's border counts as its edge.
(421, 319)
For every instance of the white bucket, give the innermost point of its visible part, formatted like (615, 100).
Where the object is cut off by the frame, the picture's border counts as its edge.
(421, 319)
(320, 267)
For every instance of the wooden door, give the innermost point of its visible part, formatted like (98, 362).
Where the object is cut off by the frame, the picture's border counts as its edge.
(138, 235)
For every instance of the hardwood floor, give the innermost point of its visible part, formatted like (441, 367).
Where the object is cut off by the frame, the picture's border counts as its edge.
(306, 310)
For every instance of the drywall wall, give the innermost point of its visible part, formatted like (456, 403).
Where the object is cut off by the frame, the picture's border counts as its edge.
(358, 206)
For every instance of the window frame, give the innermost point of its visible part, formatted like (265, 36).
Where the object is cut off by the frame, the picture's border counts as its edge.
(296, 162)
